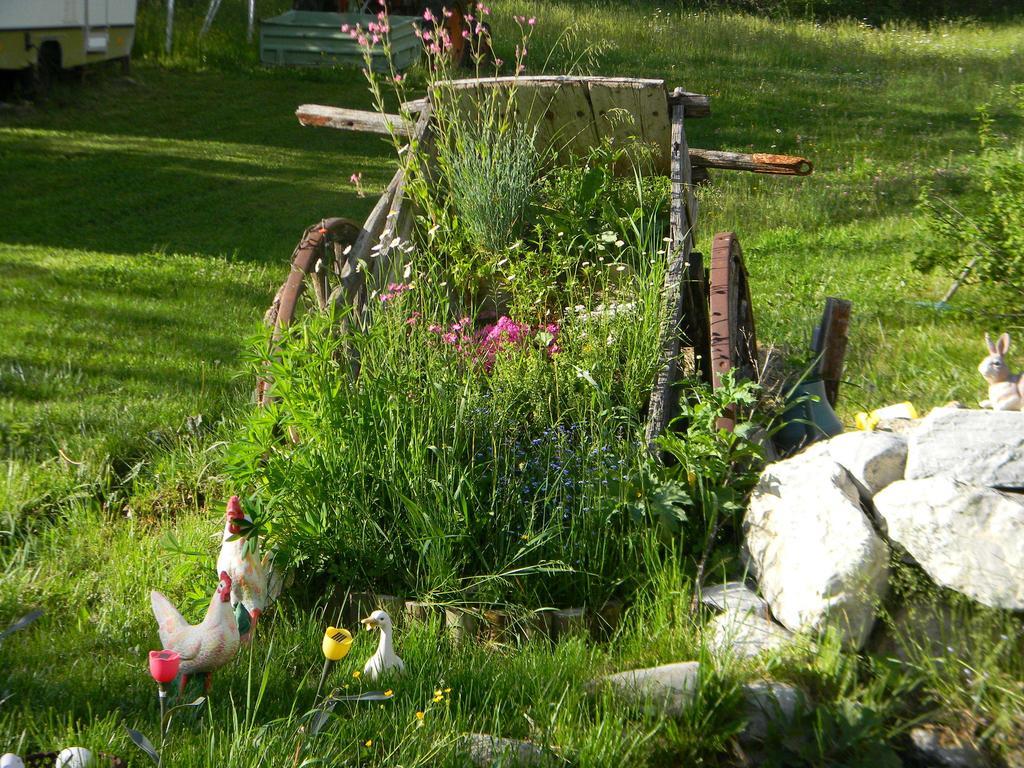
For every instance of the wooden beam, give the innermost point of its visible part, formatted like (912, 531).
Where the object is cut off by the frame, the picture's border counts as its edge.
(353, 120)
(830, 341)
(696, 104)
(785, 165)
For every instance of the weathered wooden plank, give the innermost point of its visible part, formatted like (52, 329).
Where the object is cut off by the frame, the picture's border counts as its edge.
(656, 124)
(572, 114)
(351, 288)
(353, 120)
(617, 112)
(783, 165)
(830, 341)
(662, 404)
(385, 261)
(564, 118)
(541, 81)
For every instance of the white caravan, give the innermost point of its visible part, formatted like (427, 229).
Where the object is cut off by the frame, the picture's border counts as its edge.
(61, 34)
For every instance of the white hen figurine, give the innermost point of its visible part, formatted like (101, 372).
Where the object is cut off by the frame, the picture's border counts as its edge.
(385, 659)
(204, 647)
(254, 583)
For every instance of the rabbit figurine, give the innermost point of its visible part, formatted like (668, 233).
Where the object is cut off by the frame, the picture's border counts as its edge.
(1005, 389)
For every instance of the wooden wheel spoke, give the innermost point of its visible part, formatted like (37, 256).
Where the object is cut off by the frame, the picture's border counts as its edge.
(316, 263)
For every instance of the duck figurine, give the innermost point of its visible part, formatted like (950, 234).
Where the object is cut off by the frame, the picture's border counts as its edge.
(204, 647)
(254, 582)
(385, 659)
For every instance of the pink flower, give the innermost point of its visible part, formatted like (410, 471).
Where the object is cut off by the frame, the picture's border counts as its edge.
(484, 10)
(394, 290)
(355, 178)
(434, 328)
(532, 21)
(346, 27)
(399, 78)
(428, 15)
(449, 338)
(363, 41)
(413, 318)
(498, 62)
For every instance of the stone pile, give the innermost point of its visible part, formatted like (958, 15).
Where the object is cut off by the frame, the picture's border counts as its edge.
(821, 524)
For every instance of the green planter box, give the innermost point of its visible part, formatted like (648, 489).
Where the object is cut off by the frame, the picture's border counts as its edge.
(312, 39)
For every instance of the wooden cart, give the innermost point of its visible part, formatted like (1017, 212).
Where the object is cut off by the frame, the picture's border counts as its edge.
(709, 317)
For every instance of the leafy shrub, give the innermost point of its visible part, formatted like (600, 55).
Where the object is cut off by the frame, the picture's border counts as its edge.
(436, 471)
(986, 228)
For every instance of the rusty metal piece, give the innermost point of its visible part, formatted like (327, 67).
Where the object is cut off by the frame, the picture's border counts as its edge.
(759, 162)
(733, 336)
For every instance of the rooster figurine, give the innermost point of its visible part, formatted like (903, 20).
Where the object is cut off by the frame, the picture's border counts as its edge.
(205, 647)
(255, 583)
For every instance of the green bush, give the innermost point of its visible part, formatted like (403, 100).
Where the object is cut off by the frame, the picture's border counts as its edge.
(985, 228)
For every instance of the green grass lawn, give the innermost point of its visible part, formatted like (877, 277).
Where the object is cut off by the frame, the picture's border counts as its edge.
(147, 222)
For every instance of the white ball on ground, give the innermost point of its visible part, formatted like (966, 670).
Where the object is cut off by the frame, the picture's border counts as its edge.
(11, 760)
(74, 757)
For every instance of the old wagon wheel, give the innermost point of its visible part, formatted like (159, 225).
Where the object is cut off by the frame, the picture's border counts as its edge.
(733, 337)
(318, 263)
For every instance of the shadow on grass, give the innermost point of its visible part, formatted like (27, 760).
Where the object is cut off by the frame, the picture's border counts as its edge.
(191, 163)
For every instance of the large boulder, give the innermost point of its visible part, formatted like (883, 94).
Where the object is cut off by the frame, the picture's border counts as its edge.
(966, 537)
(875, 459)
(978, 447)
(817, 558)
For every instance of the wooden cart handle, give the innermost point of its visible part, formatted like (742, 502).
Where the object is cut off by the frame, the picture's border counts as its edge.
(784, 165)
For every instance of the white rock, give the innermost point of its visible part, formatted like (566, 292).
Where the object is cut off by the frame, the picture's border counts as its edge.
(745, 635)
(486, 750)
(769, 705)
(818, 561)
(875, 459)
(11, 760)
(967, 538)
(734, 596)
(669, 688)
(74, 757)
(978, 447)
